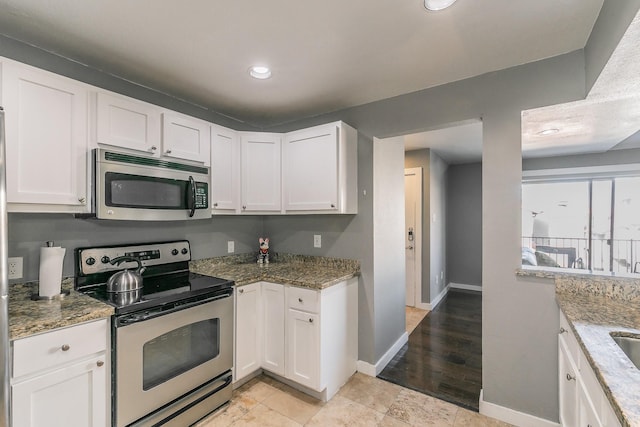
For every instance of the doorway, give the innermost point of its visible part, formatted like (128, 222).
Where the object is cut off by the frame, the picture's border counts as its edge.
(413, 236)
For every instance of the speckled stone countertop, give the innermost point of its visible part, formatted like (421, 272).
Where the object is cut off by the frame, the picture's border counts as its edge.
(595, 307)
(27, 317)
(296, 270)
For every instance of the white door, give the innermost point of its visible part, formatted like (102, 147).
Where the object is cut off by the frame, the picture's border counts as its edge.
(247, 355)
(260, 168)
(184, 137)
(303, 352)
(273, 327)
(412, 233)
(225, 170)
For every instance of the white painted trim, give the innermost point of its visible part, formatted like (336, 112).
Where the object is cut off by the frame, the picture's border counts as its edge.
(475, 288)
(424, 306)
(418, 237)
(512, 416)
(373, 370)
(434, 303)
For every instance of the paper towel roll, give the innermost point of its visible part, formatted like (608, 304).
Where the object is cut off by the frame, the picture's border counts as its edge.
(51, 259)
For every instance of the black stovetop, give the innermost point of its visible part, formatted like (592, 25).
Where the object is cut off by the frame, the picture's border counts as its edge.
(164, 289)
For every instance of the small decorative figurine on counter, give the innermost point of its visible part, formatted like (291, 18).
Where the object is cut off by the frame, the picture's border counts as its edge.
(263, 254)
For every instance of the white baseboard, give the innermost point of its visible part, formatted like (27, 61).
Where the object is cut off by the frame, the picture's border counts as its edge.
(476, 288)
(373, 370)
(511, 416)
(434, 302)
(423, 306)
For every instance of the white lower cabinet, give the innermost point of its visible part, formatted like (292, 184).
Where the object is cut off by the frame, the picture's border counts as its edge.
(306, 336)
(247, 337)
(303, 352)
(60, 378)
(582, 400)
(273, 347)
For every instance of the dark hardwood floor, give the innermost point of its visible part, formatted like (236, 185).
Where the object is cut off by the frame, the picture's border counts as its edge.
(443, 357)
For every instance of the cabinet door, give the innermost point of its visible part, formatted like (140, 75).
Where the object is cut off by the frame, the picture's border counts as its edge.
(74, 396)
(127, 123)
(261, 188)
(247, 354)
(273, 328)
(185, 138)
(586, 412)
(310, 169)
(225, 170)
(303, 348)
(568, 386)
(47, 141)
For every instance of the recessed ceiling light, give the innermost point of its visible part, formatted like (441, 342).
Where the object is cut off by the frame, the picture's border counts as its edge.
(438, 4)
(550, 131)
(260, 72)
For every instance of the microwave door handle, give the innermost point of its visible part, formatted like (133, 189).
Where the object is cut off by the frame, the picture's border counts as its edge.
(191, 197)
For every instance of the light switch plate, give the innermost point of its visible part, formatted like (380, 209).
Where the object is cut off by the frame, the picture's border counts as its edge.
(317, 241)
(231, 247)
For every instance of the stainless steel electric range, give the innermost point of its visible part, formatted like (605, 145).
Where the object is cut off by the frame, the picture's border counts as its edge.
(172, 340)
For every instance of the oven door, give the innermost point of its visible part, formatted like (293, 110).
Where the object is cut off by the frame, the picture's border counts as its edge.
(163, 358)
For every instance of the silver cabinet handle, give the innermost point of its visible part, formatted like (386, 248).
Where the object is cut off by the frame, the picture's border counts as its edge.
(332, 205)
(310, 320)
(153, 148)
(65, 347)
(215, 205)
(409, 247)
(82, 200)
(570, 378)
(244, 207)
(100, 363)
(168, 151)
(299, 300)
(241, 291)
(562, 330)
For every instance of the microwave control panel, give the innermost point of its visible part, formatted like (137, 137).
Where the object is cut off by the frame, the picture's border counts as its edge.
(202, 195)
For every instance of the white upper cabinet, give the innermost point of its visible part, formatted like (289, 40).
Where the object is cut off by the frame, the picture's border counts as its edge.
(127, 123)
(47, 140)
(261, 184)
(225, 170)
(319, 170)
(185, 137)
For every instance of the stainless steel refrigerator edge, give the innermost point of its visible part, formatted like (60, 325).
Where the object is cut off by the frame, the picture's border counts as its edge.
(4, 285)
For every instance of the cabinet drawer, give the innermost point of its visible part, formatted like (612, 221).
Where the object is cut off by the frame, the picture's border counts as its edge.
(58, 347)
(570, 340)
(303, 299)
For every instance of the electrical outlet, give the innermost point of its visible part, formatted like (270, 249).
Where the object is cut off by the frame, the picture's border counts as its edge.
(317, 241)
(231, 247)
(441, 275)
(15, 268)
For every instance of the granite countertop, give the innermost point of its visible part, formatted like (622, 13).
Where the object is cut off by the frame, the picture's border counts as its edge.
(27, 317)
(296, 270)
(595, 307)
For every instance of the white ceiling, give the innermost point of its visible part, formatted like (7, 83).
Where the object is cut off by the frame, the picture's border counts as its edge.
(325, 55)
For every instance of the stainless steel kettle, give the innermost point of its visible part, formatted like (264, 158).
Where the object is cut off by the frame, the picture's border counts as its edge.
(125, 280)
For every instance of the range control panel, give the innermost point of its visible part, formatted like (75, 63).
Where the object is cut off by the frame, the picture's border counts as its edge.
(98, 260)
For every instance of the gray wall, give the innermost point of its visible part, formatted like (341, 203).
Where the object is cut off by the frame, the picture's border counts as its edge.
(28, 232)
(438, 223)
(464, 224)
(421, 159)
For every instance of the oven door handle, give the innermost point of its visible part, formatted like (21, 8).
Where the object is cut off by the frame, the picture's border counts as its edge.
(191, 197)
(135, 318)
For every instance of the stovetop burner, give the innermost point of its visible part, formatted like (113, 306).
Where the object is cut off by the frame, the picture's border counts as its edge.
(167, 280)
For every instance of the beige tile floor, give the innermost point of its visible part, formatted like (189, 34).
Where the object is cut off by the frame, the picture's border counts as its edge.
(413, 317)
(364, 401)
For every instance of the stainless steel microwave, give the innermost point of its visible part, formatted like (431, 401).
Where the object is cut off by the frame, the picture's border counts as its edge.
(130, 187)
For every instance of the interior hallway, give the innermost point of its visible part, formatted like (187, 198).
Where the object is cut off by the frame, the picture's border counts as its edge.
(443, 357)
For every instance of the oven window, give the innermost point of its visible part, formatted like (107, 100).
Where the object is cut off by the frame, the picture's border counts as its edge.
(134, 191)
(178, 351)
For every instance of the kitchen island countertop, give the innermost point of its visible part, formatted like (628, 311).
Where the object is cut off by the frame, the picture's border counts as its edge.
(595, 307)
(297, 270)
